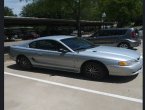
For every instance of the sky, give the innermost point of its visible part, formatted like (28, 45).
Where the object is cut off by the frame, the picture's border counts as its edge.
(15, 5)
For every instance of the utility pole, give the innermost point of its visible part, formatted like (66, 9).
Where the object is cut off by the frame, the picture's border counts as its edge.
(78, 19)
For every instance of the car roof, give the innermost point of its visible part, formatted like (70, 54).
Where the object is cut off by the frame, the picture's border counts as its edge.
(56, 37)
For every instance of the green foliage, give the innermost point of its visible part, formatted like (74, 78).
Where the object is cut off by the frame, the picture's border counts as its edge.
(122, 11)
(61, 9)
(8, 12)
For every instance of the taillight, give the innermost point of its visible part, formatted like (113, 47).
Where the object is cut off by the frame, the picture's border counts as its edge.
(133, 34)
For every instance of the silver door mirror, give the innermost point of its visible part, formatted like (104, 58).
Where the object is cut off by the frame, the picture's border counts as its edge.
(63, 50)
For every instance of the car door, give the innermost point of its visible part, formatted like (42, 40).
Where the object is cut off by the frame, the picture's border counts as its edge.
(46, 53)
(115, 36)
(107, 37)
(101, 37)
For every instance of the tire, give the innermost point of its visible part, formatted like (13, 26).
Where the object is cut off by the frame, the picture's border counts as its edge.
(9, 38)
(23, 62)
(94, 70)
(124, 45)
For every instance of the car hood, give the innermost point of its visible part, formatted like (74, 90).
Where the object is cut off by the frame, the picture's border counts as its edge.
(111, 52)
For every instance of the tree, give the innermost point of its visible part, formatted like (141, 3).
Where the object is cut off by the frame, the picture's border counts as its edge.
(8, 12)
(66, 9)
(122, 11)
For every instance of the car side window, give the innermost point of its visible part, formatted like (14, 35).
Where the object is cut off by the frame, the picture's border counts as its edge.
(95, 34)
(104, 33)
(101, 33)
(120, 32)
(108, 33)
(47, 45)
(111, 32)
(33, 44)
(56, 46)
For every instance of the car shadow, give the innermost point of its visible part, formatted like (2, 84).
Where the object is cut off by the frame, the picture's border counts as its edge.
(12, 40)
(133, 48)
(109, 79)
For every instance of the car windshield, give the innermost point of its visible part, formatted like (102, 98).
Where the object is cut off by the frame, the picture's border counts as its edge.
(78, 43)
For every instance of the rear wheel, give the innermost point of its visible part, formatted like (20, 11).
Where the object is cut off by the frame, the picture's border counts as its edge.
(94, 70)
(124, 45)
(23, 62)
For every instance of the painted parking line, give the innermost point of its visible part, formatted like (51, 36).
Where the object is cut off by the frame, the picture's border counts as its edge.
(77, 88)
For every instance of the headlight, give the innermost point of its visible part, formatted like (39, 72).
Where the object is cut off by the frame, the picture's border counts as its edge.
(127, 63)
(141, 57)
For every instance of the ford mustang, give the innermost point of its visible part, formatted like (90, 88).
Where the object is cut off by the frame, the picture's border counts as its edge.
(73, 54)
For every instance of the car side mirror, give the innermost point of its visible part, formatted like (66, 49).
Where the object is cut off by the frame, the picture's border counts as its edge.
(93, 36)
(63, 50)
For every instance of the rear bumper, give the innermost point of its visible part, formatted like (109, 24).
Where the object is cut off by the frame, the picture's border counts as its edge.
(126, 70)
(135, 43)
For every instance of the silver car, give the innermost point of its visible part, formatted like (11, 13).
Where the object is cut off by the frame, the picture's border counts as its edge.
(73, 54)
(118, 37)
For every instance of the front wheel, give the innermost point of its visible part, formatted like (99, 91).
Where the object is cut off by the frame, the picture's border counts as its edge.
(94, 70)
(23, 62)
(124, 45)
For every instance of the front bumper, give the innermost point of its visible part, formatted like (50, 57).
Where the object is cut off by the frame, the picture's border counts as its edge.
(126, 70)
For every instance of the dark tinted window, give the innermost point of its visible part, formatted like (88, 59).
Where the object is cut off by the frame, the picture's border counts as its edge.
(47, 45)
(33, 45)
(77, 43)
(120, 32)
(101, 33)
(105, 33)
(111, 32)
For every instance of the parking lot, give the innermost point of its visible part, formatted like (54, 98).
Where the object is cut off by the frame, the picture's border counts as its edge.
(42, 89)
